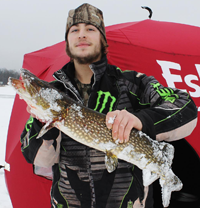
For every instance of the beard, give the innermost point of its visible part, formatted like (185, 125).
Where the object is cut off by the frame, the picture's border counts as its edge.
(88, 59)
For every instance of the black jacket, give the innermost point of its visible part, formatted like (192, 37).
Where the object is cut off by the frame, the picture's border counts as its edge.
(79, 175)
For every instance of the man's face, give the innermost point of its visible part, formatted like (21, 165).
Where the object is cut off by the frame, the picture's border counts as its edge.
(84, 44)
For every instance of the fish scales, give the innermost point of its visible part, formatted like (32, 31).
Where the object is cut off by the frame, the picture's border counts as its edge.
(92, 130)
(89, 128)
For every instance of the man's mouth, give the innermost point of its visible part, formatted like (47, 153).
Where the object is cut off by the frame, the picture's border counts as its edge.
(83, 44)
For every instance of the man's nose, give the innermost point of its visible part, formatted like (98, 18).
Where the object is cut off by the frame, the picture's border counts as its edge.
(81, 37)
(82, 34)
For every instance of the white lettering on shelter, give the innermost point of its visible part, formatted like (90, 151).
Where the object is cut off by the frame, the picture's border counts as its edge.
(171, 79)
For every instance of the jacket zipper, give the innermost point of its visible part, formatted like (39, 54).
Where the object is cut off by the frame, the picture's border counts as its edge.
(77, 97)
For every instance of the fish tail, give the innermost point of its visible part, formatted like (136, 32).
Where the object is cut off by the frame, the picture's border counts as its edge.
(149, 177)
(169, 183)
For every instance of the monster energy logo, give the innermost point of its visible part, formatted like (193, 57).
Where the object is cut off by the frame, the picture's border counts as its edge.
(29, 123)
(166, 93)
(105, 100)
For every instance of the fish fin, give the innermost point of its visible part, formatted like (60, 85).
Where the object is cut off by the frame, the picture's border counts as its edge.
(45, 128)
(149, 177)
(111, 161)
(169, 183)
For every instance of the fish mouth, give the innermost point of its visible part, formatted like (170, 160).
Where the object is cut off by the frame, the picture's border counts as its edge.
(24, 84)
(17, 84)
(20, 83)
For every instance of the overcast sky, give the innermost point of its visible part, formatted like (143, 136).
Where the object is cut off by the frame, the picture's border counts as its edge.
(30, 25)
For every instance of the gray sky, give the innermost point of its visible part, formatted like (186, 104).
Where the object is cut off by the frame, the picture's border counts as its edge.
(30, 25)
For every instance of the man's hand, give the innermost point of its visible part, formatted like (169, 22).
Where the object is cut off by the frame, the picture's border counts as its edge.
(121, 123)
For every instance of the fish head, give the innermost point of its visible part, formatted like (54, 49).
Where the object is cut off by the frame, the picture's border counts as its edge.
(29, 86)
(46, 102)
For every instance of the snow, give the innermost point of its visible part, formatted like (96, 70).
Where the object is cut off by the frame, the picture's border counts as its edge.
(7, 95)
(78, 109)
(111, 120)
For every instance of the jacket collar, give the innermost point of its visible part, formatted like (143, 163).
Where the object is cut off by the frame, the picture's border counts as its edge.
(99, 68)
(67, 73)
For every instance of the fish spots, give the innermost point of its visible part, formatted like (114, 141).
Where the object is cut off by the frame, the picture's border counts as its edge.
(118, 149)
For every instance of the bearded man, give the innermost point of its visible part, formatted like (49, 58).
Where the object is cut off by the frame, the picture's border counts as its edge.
(80, 178)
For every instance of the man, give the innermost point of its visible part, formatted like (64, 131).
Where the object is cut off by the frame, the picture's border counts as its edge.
(80, 178)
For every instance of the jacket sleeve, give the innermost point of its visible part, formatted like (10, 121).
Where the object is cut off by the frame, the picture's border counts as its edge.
(171, 113)
(43, 152)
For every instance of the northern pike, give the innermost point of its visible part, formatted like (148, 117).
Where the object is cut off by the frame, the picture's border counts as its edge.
(88, 127)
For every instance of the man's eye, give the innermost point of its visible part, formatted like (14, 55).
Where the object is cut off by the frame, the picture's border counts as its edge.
(74, 30)
(91, 29)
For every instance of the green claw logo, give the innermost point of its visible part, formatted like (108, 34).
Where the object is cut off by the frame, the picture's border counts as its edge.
(29, 123)
(105, 100)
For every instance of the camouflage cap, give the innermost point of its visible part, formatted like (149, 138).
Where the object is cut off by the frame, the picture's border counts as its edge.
(86, 13)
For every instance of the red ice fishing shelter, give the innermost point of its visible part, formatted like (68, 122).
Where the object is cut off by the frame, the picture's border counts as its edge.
(168, 51)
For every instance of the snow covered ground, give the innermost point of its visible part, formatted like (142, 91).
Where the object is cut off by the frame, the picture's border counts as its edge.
(7, 95)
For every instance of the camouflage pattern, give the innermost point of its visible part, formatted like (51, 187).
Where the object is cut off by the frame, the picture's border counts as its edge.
(88, 14)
